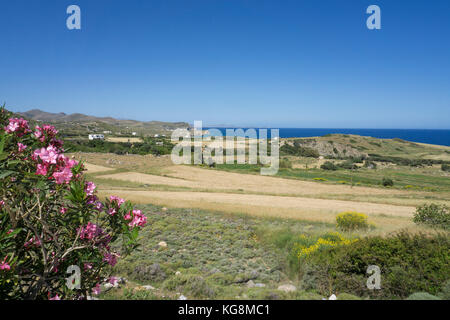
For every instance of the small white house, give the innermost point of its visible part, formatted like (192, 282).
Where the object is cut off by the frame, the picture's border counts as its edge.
(134, 133)
(96, 137)
(156, 135)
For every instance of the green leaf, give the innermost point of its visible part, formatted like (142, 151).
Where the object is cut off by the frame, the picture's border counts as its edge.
(6, 173)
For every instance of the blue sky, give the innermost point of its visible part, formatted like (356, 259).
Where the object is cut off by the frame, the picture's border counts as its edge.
(299, 63)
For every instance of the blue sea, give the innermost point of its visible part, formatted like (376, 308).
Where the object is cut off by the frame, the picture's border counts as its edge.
(440, 137)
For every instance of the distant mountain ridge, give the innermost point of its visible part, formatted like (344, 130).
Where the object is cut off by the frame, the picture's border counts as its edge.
(39, 115)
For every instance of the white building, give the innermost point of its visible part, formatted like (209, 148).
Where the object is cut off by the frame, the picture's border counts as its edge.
(96, 137)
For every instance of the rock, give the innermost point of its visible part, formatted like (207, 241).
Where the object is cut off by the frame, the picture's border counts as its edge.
(250, 284)
(254, 274)
(182, 297)
(148, 287)
(287, 288)
(177, 273)
(260, 285)
(332, 297)
(162, 244)
(164, 209)
(108, 285)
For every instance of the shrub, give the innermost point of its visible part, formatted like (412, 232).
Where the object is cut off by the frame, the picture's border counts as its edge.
(328, 165)
(349, 221)
(299, 151)
(387, 182)
(305, 246)
(422, 296)
(445, 167)
(408, 263)
(51, 218)
(433, 215)
(348, 165)
(445, 291)
(285, 163)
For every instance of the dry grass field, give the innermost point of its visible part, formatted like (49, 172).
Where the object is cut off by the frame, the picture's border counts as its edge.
(150, 179)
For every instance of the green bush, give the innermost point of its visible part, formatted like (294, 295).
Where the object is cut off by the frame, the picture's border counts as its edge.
(433, 215)
(422, 296)
(387, 182)
(349, 221)
(285, 163)
(445, 167)
(299, 151)
(445, 291)
(408, 263)
(329, 166)
(348, 165)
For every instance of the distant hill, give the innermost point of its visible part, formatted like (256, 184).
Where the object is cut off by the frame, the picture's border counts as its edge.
(81, 123)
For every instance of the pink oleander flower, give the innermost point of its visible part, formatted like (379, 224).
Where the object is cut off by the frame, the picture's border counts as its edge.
(112, 211)
(48, 156)
(90, 188)
(97, 289)
(4, 265)
(63, 176)
(88, 266)
(18, 126)
(90, 231)
(110, 258)
(114, 281)
(117, 200)
(2, 204)
(9, 231)
(64, 161)
(21, 146)
(139, 219)
(47, 131)
(42, 169)
(63, 210)
(54, 298)
(32, 242)
(99, 206)
(91, 199)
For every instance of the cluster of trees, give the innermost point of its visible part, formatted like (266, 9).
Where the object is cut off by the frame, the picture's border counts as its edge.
(149, 146)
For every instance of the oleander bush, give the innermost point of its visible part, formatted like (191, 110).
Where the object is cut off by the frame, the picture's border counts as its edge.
(51, 220)
(433, 215)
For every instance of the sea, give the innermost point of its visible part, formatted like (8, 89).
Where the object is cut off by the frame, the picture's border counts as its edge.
(430, 136)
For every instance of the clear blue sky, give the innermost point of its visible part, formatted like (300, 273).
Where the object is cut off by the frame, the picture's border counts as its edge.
(299, 63)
